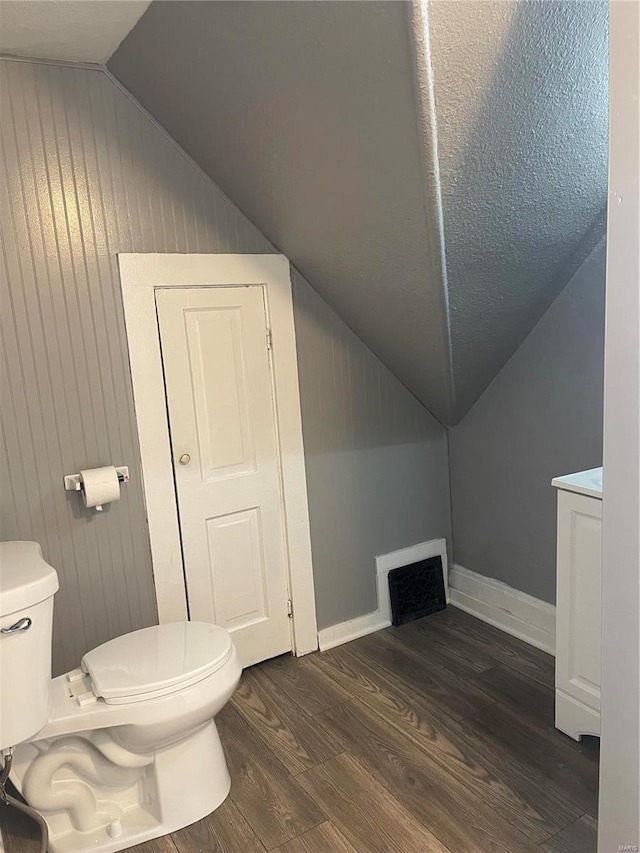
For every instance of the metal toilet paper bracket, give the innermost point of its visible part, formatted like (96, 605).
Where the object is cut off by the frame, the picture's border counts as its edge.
(73, 482)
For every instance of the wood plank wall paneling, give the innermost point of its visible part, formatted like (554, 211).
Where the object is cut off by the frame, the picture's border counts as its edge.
(86, 174)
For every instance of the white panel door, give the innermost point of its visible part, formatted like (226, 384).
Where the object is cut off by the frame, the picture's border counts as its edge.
(225, 457)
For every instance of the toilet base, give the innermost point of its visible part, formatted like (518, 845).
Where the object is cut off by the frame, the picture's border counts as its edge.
(97, 796)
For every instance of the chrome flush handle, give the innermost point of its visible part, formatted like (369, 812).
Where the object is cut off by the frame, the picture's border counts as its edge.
(21, 625)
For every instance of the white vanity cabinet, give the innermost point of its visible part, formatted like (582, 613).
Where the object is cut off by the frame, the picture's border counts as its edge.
(578, 603)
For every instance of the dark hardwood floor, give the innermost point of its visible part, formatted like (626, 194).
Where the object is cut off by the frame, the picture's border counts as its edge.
(436, 736)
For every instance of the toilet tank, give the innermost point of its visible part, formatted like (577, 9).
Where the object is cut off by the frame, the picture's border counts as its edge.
(27, 587)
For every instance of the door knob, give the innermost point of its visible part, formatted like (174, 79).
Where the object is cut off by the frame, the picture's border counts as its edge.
(185, 459)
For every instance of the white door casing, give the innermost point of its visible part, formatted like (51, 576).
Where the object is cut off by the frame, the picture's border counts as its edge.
(215, 354)
(142, 275)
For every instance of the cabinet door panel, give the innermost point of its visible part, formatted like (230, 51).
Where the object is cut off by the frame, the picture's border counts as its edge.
(579, 597)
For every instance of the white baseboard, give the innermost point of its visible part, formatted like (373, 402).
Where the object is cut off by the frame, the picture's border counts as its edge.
(404, 557)
(381, 618)
(512, 611)
(574, 718)
(343, 632)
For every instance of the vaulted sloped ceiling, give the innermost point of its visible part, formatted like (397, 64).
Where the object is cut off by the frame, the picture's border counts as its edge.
(521, 104)
(437, 172)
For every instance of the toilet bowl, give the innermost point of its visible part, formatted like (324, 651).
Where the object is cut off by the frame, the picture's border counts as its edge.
(126, 748)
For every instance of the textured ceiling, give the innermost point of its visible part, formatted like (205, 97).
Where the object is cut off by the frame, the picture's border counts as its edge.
(74, 30)
(440, 235)
(521, 104)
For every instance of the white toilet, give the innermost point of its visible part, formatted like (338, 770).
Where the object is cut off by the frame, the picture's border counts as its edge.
(125, 748)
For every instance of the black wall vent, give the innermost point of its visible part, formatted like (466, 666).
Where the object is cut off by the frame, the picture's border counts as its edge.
(416, 590)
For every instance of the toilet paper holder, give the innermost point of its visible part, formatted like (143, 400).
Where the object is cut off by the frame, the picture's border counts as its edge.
(73, 482)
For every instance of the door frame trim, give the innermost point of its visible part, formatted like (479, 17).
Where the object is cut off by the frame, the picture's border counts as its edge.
(140, 275)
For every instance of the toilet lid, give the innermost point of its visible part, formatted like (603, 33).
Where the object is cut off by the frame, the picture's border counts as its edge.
(157, 660)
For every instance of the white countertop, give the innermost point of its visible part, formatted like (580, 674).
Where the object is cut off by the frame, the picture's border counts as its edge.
(584, 482)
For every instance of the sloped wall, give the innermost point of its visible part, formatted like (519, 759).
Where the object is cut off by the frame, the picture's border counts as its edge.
(541, 417)
(441, 230)
(521, 103)
(376, 460)
(86, 174)
(304, 114)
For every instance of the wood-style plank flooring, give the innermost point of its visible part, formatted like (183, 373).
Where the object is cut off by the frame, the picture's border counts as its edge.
(436, 736)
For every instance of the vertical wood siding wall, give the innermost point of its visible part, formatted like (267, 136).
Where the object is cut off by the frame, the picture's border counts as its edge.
(86, 174)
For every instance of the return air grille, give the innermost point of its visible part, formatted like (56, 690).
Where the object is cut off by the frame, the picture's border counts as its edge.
(416, 590)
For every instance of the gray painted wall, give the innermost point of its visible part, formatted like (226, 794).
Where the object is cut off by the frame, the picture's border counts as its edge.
(86, 174)
(540, 417)
(305, 114)
(376, 460)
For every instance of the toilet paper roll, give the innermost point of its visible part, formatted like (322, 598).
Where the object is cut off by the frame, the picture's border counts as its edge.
(100, 486)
